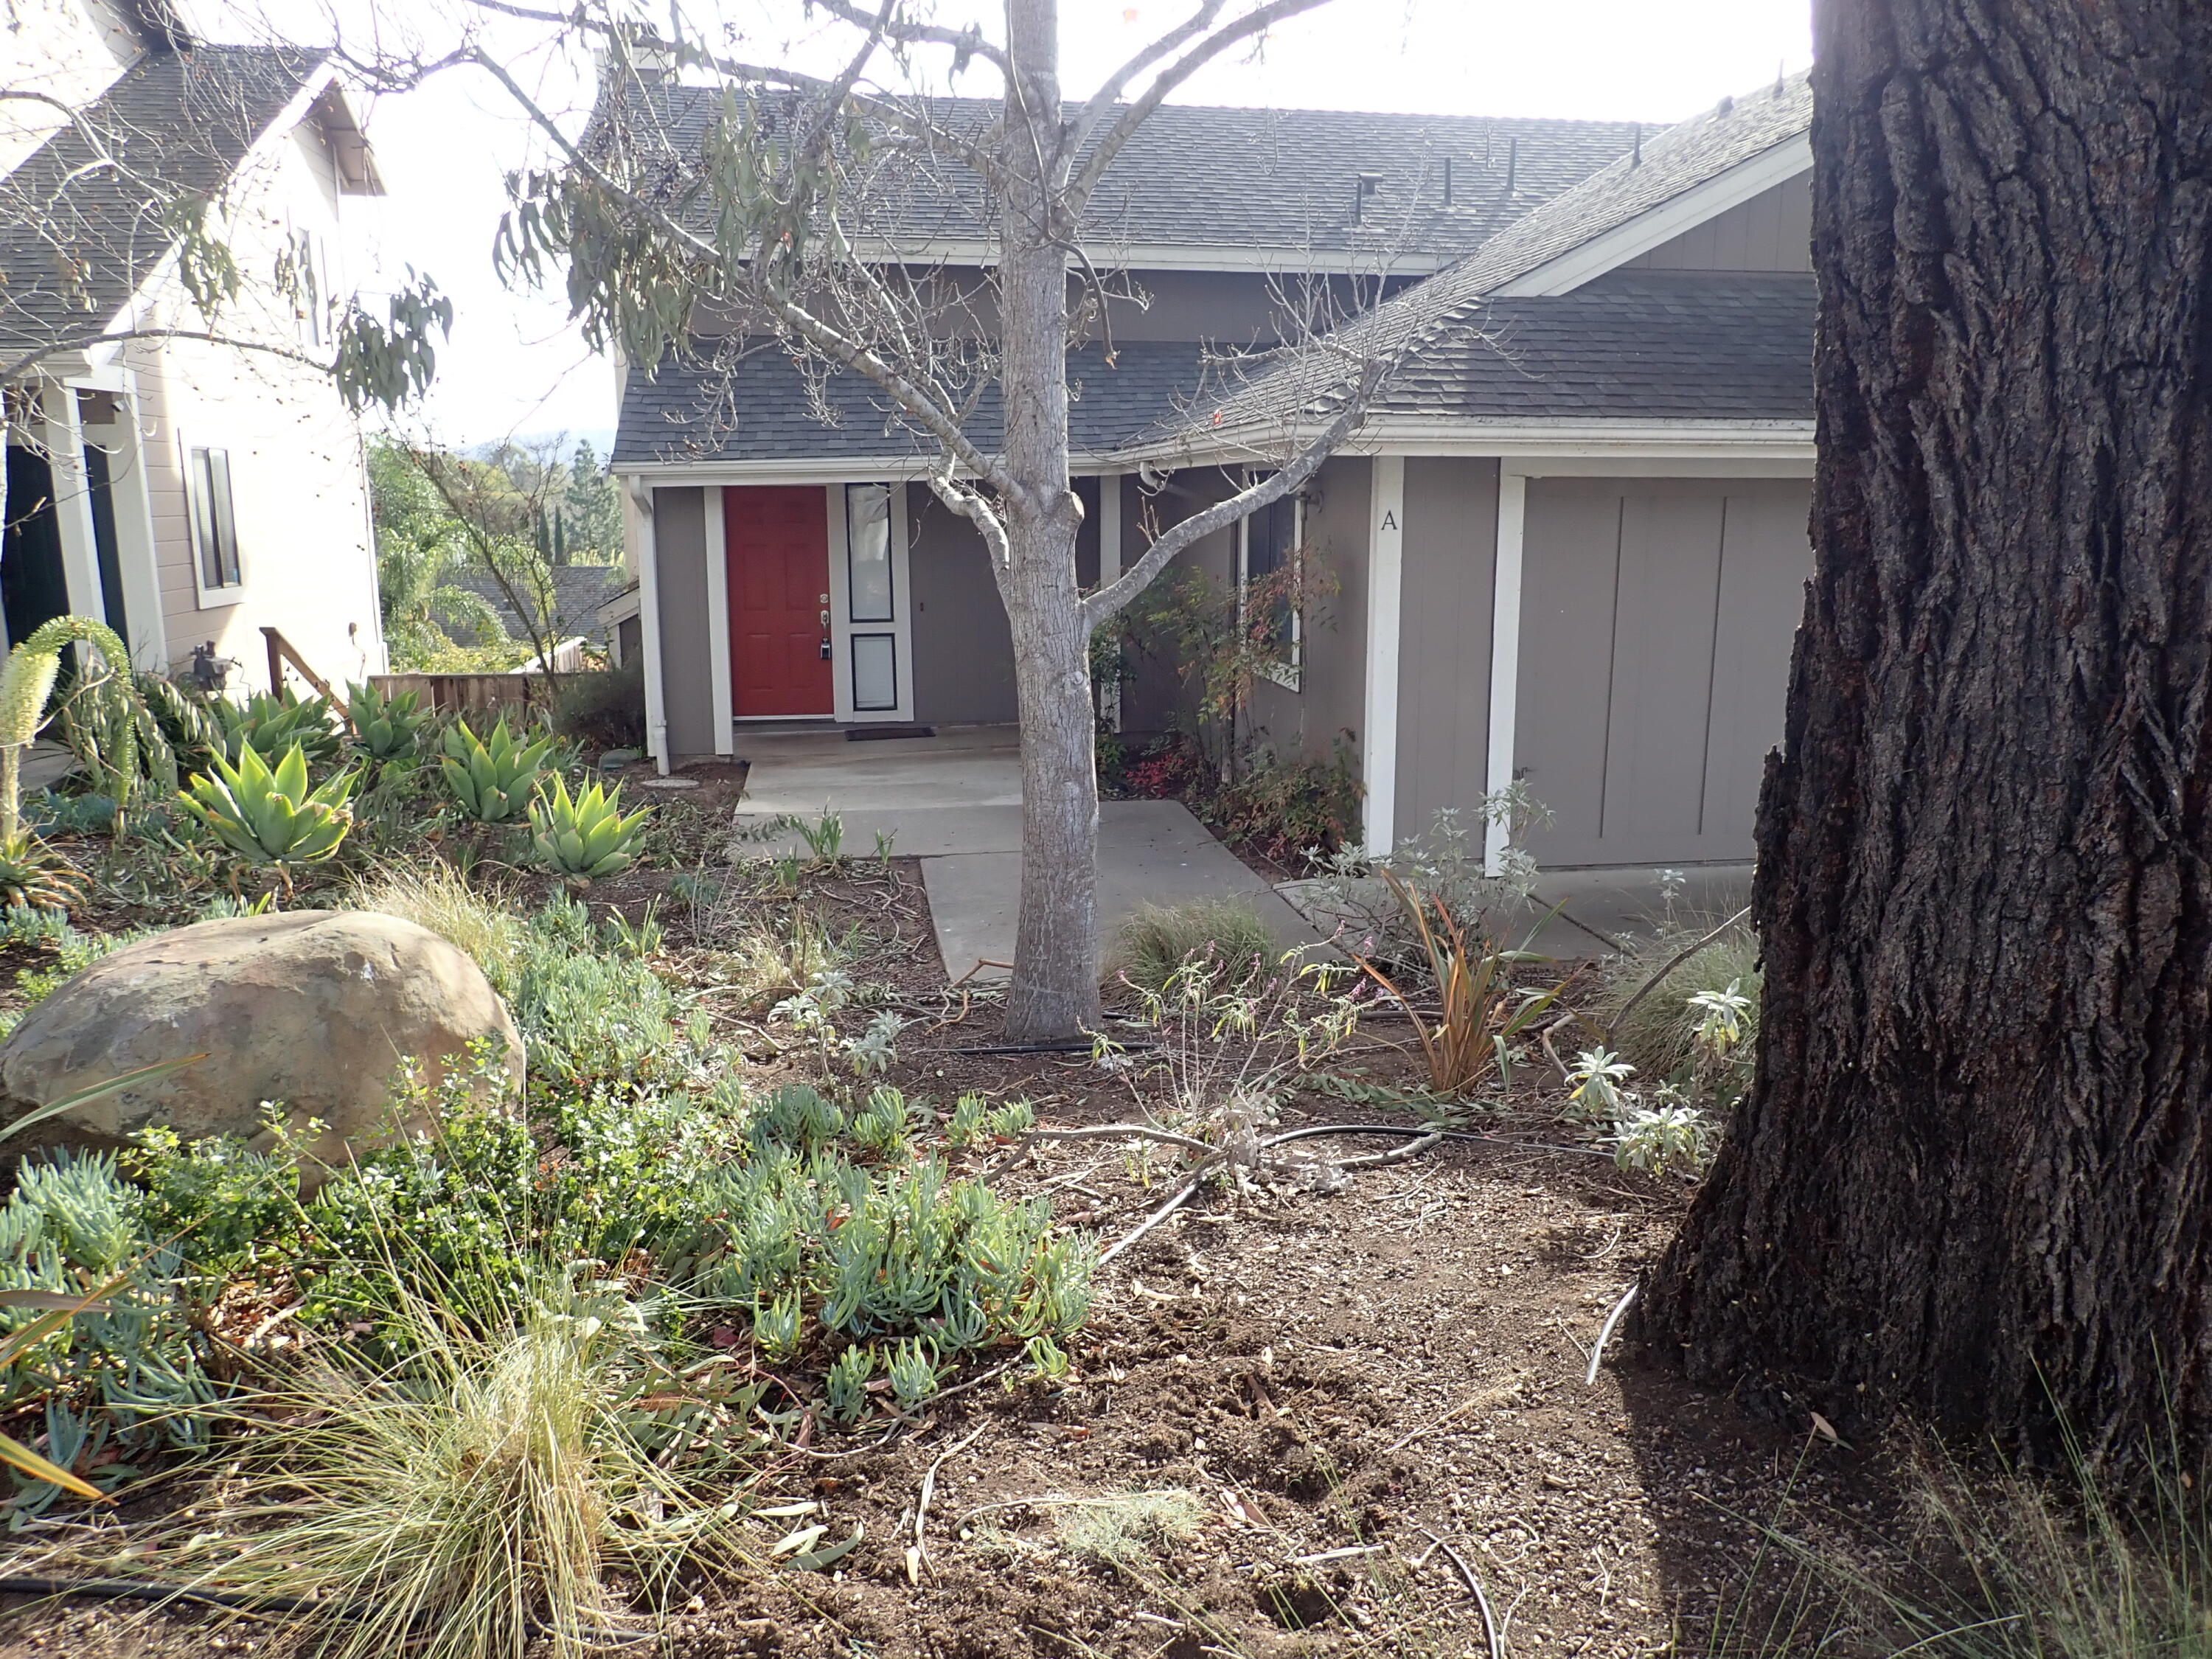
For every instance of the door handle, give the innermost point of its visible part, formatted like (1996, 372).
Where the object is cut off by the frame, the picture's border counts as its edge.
(825, 622)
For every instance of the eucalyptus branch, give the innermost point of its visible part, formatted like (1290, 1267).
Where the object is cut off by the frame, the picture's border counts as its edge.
(1135, 114)
(1102, 605)
(823, 336)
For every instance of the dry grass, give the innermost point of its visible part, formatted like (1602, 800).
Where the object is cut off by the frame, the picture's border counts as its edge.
(1656, 1038)
(1150, 944)
(432, 895)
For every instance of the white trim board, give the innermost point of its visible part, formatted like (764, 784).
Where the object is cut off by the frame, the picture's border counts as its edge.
(1378, 737)
(1504, 654)
(1609, 250)
(639, 498)
(720, 694)
(1492, 436)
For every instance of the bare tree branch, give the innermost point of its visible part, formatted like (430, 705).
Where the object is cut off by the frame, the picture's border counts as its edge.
(969, 41)
(1110, 90)
(1102, 605)
(1135, 114)
(15, 365)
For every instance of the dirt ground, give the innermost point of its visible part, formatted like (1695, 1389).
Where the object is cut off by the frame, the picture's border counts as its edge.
(1340, 1413)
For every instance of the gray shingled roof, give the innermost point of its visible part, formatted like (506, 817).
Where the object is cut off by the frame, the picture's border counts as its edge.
(1428, 317)
(78, 233)
(580, 595)
(1279, 182)
(1657, 344)
(758, 405)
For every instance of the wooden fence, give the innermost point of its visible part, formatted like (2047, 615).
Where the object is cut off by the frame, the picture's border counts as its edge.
(485, 694)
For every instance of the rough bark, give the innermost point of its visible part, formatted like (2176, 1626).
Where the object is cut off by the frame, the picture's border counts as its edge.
(1970, 1182)
(1055, 985)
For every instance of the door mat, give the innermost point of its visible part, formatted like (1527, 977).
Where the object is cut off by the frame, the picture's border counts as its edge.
(870, 733)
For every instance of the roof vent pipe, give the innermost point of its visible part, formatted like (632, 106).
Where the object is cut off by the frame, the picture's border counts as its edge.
(1447, 199)
(1512, 163)
(1364, 186)
(1636, 146)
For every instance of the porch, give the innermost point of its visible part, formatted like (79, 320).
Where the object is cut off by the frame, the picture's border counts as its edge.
(954, 802)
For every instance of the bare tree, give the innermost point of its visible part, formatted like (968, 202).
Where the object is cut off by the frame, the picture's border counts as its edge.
(782, 222)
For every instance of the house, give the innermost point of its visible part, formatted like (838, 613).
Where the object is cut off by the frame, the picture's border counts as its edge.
(192, 492)
(573, 603)
(1568, 544)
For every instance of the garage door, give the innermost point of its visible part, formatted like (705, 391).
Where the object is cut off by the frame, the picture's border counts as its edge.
(1656, 627)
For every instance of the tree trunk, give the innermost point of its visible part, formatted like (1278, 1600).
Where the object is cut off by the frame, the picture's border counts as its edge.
(1055, 986)
(1970, 1182)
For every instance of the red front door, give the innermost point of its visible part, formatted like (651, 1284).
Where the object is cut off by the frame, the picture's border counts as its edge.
(778, 546)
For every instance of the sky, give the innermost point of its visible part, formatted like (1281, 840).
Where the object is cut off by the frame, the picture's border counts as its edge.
(515, 367)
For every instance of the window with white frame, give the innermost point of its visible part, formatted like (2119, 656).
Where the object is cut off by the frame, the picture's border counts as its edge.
(215, 527)
(1268, 580)
(869, 599)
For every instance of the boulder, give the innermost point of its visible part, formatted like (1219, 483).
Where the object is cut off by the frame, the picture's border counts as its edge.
(314, 1009)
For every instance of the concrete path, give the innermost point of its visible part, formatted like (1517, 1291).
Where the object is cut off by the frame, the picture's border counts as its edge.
(954, 801)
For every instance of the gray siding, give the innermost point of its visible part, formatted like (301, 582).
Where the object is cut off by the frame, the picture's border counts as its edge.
(963, 652)
(1772, 231)
(1153, 699)
(1656, 622)
(687, 657)
(1332, 692)
(1449, 575)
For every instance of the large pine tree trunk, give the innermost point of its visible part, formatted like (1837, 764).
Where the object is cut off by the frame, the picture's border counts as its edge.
(1055, 986)
(1971, 1180)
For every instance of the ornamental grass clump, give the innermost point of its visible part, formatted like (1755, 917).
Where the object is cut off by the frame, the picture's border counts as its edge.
(585, 837)
(492, 778)
(533, 1488)
(1158, 940)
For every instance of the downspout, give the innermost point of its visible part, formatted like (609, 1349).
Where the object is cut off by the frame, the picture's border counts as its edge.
(648, 618)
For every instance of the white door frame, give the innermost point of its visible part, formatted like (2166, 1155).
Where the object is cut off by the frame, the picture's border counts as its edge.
(842, 628)
(722, 694)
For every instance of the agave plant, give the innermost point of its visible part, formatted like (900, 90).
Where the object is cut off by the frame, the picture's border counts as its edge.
(271, 816)
(25, 684)
(385, 728)
(34, 875)
(586, 836)
(493, 778)
(274, 723)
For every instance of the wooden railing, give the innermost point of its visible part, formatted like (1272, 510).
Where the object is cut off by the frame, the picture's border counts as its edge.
(280, 653)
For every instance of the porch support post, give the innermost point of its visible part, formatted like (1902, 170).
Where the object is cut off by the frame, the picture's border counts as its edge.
(73, 503)
(648, 618)
(1505, 650)
(1109, 564)
(1378, 738)
(135, 551)
(718, 625)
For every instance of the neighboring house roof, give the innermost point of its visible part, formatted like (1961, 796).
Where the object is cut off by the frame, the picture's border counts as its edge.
(759, 406)
(1204, 187)
(81, 220)
(581, 592)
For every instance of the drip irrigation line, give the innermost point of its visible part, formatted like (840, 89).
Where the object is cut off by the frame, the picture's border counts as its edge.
(141, 1589)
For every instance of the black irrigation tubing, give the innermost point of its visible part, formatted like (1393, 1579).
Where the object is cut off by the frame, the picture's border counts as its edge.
(141, 1589)
(1417, 1130)
(1061, 1046)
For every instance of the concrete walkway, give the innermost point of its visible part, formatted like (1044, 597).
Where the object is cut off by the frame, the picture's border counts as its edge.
(954, 801)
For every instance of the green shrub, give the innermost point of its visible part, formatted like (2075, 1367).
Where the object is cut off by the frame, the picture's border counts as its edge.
(1296, 812)
(605, 710)
(1153, 942)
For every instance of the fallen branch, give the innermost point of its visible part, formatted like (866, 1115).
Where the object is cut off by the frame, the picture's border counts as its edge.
(1145, 1131)
(917, 1557)
(1423, 1129)
(1181, 1198)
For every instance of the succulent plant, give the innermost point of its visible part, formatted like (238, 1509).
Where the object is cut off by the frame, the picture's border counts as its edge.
(273, 724)
(386, 727)
(34, 876)
(26, 683)
(585, 837)
(493, 777)
(271, 816)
